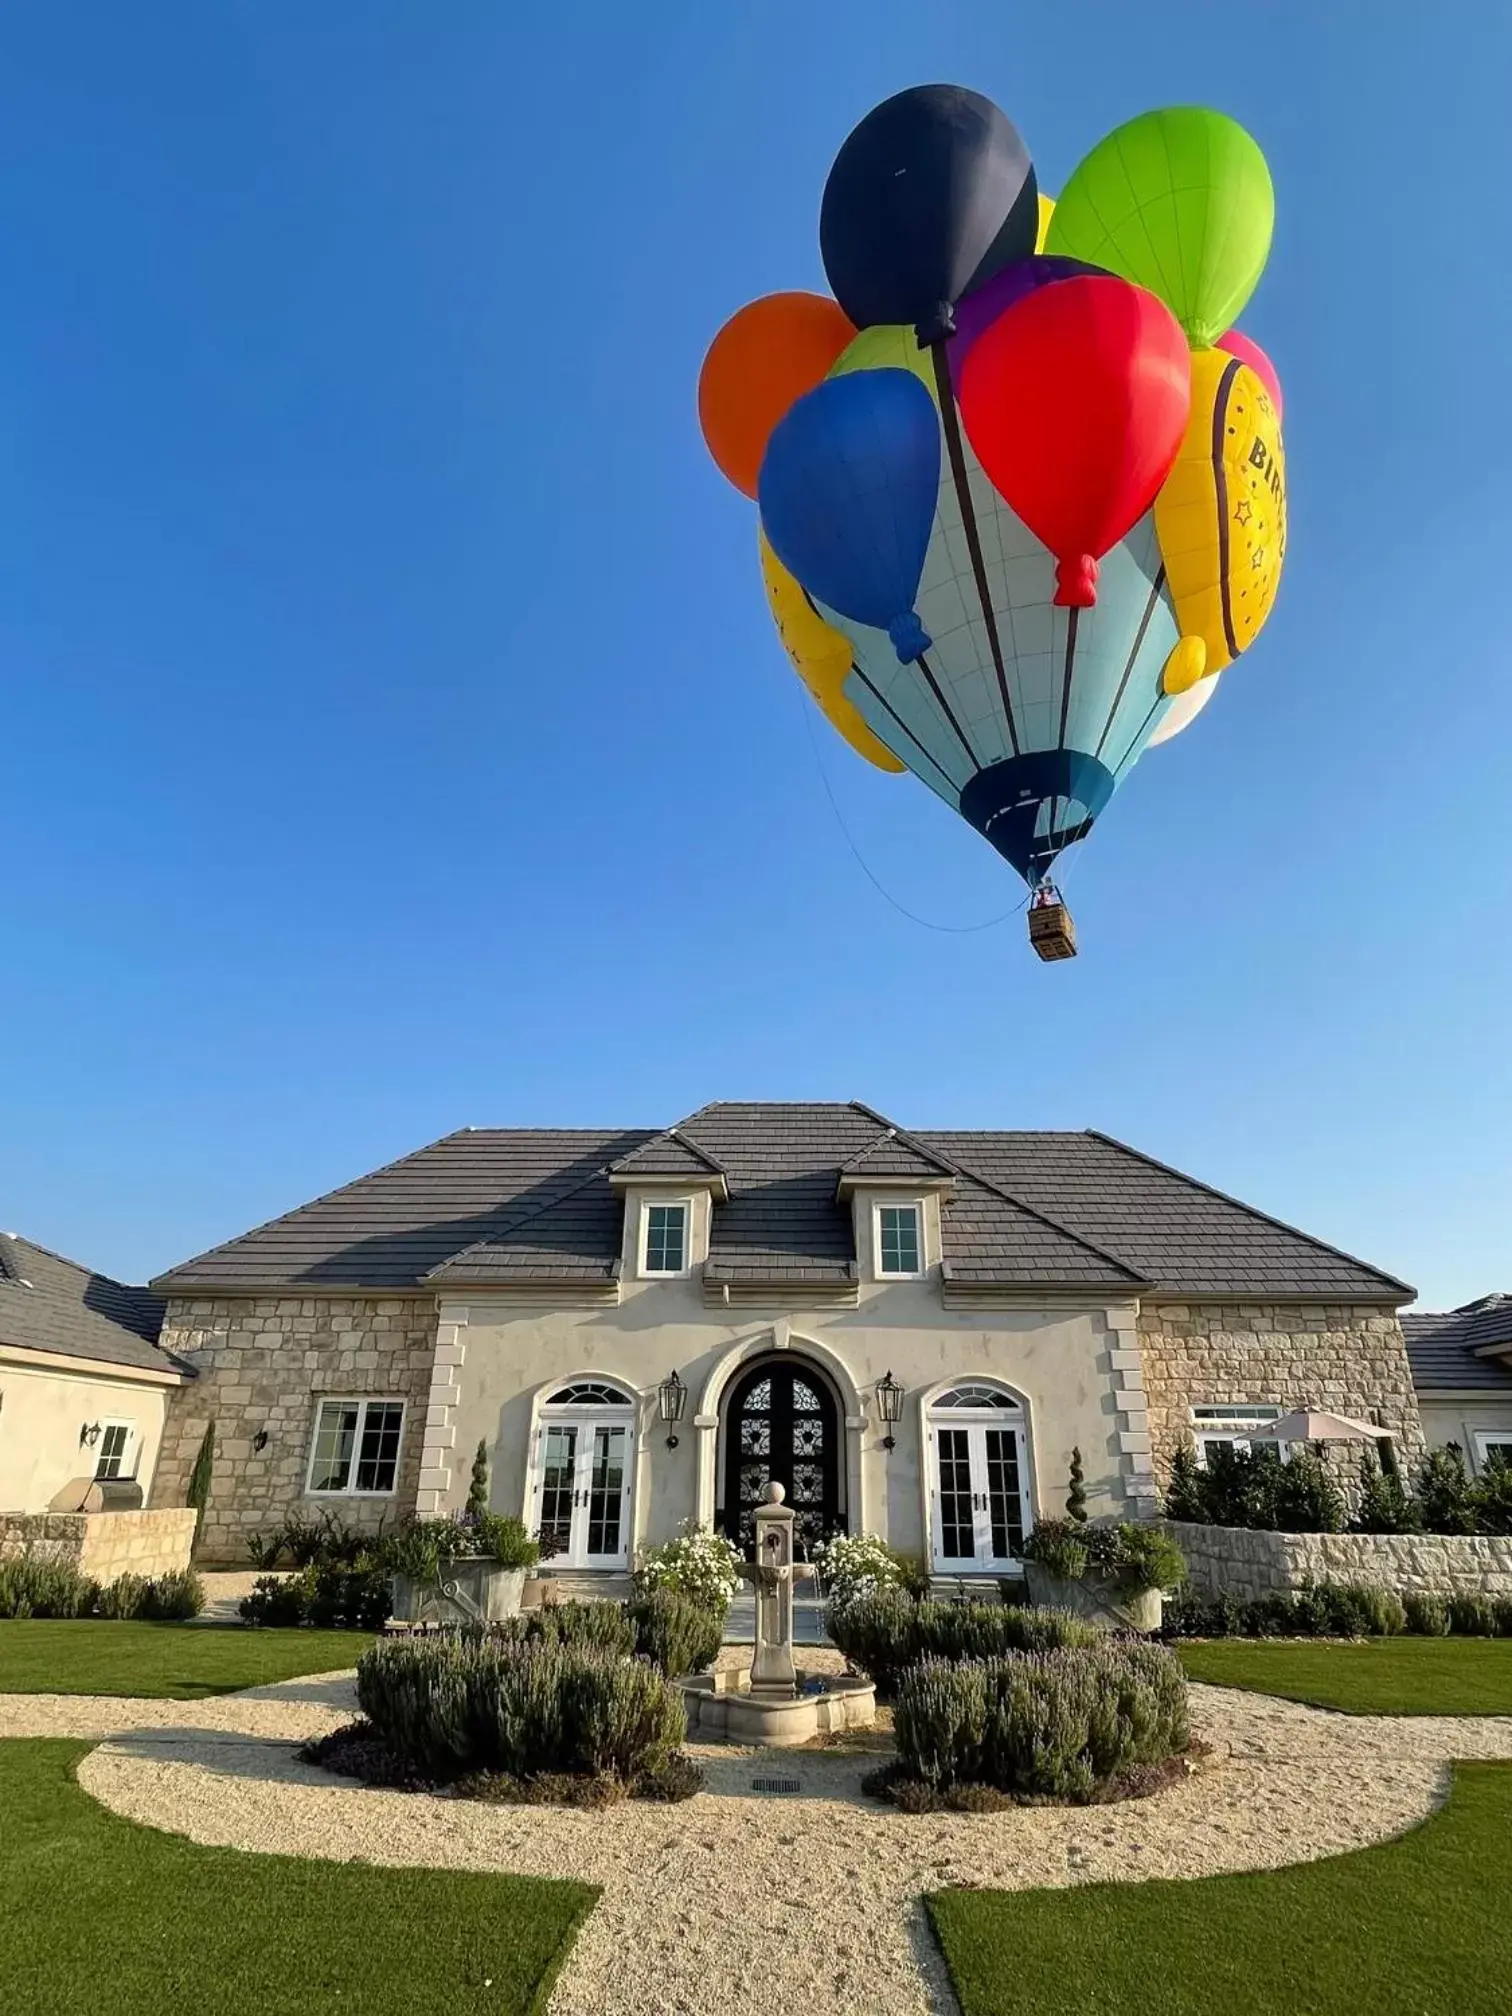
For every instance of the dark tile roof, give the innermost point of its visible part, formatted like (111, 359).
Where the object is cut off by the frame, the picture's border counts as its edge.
(1167, 1227)
(1442, 1346)
(1031, 1208)
(669, 1154)
(51, 1304)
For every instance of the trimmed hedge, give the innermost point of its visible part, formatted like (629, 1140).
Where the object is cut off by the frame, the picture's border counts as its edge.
(676, 1633)
(329, 1594)
(450, 1707)
(886, 1634)
(30, 1587)
(1048, 1725)
(1338, 1610)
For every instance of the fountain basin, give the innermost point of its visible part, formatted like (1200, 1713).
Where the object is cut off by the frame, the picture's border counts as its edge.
(725, 1708)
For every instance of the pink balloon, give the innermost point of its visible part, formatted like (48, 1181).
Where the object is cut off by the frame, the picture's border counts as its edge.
(1248, 351)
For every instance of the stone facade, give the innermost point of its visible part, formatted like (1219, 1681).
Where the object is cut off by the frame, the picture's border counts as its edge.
(263, 1364)
(103, 1544)
(1224, 1560)
(1347, 1359)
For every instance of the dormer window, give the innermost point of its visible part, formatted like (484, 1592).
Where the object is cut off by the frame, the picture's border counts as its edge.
(898, 1241)
(666, 1239)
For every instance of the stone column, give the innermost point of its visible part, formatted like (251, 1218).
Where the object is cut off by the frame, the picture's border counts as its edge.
(772, 1668)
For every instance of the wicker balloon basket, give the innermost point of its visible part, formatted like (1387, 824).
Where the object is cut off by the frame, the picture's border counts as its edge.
(1051, 932)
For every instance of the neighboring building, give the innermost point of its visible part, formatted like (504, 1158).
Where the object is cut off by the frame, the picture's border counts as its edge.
(793, 1266)
(1462, 1369)
(84, 1385)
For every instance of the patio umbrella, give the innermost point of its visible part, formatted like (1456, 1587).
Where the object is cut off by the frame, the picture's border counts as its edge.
(1312, 1424)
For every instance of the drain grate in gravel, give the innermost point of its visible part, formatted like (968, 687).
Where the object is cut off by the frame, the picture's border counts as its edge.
(776, 1785)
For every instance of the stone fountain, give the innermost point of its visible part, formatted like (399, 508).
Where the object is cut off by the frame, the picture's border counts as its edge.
(770, 1702)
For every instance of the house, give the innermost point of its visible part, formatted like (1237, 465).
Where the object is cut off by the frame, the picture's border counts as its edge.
(911, 1330)
(84, 1383)
(1461, 1363)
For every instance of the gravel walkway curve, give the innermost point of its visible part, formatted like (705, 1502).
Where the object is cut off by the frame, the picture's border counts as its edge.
(813, 1900)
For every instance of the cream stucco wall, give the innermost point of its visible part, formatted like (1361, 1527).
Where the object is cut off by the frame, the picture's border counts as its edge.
(42, 1409)
(1462, 1419)
(1075, 1369)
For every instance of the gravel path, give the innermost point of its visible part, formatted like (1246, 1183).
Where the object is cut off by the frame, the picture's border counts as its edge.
(811, 1901)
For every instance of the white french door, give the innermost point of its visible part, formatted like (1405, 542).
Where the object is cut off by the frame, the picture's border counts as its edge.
(583, 1493)
(980, 1504)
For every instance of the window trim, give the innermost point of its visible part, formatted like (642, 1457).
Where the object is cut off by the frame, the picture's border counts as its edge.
(916, 1206)
(130, 1456)
(648, 1205)
(1480, 1437)
(362, 1402)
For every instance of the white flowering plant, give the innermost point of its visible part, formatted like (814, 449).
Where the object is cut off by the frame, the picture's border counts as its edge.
(698, 1564)
(854, 1565)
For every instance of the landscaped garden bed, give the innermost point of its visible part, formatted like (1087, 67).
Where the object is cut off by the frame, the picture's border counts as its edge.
(557, 1710)
(32, 1586)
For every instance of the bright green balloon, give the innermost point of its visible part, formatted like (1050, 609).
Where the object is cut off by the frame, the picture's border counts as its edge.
(1181, 202)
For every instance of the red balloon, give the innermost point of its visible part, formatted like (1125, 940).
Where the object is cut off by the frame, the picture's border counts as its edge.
(1248, 351)
(1076, 400)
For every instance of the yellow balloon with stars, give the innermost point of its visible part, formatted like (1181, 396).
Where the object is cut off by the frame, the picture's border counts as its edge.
(1220, 518)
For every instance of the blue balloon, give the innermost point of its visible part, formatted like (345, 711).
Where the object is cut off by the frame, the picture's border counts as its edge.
(847, 491)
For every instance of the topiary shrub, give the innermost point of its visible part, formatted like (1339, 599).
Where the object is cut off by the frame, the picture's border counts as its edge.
(676, 1634)
(32, 1587)
(1055, 1725)
(477, 1483)
(452, 1706)
(201, 1478)
(1076, 1491)
(885, 1635)
(1444, 1493)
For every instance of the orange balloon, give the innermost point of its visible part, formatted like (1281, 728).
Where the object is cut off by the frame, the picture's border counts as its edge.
(766, 356)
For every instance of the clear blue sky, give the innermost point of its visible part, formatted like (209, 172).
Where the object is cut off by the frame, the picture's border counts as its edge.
(395, 738)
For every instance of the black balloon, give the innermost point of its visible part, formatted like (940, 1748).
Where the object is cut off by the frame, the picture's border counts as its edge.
(932, 194)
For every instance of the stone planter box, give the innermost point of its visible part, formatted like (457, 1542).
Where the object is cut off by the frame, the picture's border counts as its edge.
(469, 1592)
(1097, 1598)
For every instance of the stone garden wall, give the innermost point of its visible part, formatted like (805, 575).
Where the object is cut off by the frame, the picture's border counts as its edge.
(103, 1544)
(263, 1364)
(1347, 1359)
(1227, 1561)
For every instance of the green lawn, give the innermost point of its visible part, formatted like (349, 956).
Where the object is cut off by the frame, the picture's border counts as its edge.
(1379, 1676)
(1413, 1927)
(177, 1662)
(96, 1912)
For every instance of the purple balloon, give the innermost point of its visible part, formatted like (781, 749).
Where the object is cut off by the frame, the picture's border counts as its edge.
(980, 309)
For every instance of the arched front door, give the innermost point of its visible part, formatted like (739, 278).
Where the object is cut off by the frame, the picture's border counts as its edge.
(782, 1423)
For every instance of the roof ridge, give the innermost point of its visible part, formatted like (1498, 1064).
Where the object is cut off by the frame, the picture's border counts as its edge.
(1250, 1211)
(684, 1140)
(513, 1225)
(894, 1133)
(986, 1182)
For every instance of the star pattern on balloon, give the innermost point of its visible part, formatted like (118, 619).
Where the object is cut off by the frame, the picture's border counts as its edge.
(1243, 511)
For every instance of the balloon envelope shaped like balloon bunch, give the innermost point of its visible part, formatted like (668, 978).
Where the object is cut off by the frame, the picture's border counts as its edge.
(1021, 481)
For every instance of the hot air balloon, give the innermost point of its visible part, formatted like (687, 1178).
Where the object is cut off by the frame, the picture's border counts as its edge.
(930, 195)
(1180, 202)
(1023, 716)
(1221, 517)
(1029, 511)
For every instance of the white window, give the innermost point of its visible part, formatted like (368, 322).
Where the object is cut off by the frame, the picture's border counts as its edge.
(1492, 1444)
(666, 1238)
(898, 1239)
(115, 1454)
(355, 1451)
(583, 1463)
(1233, 1425)
(979, 1479)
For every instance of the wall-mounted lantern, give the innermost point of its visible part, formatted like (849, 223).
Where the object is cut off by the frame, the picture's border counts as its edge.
(89, 1434)
(890, 1406)
(672, 1398)
(260, 1440)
